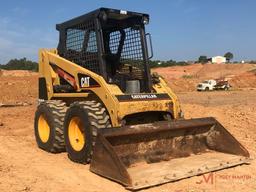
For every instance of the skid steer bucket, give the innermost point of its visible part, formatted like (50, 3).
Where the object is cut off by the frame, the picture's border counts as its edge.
(145, 155)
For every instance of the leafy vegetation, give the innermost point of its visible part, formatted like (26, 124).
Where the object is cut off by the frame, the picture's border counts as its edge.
(158, 63)
(20, 64)
(229, 56)
(202, 59)
(252, 62)
(187, 76)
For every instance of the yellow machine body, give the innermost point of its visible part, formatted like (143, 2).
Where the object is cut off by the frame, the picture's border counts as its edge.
(106, 92)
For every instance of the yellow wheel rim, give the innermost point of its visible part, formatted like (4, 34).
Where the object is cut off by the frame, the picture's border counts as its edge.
(43, 129)
(76, 134)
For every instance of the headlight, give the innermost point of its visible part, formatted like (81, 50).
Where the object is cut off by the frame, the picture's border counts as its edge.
(145, 20)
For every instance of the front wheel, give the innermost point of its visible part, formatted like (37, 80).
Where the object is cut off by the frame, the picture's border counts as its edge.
(80, 129)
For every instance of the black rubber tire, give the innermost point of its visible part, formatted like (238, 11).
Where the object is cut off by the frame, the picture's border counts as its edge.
(207, 89)
(93, 116)
(54, 113)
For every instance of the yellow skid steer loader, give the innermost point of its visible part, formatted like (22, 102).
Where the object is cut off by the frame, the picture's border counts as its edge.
(99, 102)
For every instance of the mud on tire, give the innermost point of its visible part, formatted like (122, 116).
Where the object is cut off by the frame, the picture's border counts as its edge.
(92, 116)
(48, 126)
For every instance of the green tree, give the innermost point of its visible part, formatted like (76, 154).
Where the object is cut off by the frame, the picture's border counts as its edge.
(159, 63)
(229, 56)
(20, 64)
(202, 59)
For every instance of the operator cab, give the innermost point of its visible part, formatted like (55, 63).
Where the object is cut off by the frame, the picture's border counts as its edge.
(111, 43)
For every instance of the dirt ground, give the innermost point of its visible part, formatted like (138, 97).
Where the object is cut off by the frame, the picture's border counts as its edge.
(24, 167)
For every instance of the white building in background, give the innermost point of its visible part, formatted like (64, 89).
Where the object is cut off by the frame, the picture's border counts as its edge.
(218, 59)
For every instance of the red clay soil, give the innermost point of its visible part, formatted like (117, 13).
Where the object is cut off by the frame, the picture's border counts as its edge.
(244, 80)
(186, 78)
(212, 71)
(176, 72)
(24, 167)
(16, 73)
(15, 89)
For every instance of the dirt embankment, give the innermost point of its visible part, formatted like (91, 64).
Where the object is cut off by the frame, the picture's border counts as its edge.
(15, 89)
(185, 78)
(17, 73)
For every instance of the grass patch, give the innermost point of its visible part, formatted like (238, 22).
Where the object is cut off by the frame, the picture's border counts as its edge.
(187, 76)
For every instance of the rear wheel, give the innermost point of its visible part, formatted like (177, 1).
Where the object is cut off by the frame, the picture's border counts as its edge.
(207, 89)
(82, 121)
(48, 126)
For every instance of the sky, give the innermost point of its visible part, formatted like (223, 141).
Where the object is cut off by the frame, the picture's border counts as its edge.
(180, 29)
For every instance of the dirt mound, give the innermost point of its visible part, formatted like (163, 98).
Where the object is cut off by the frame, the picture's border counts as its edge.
(15, 89)
(178, 71)
(215, 71)
(185, 78)
(245, 80)
(210, 71)
(182, 84)
(17, 73)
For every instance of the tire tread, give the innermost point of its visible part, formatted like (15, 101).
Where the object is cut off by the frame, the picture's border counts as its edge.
(58, 110)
